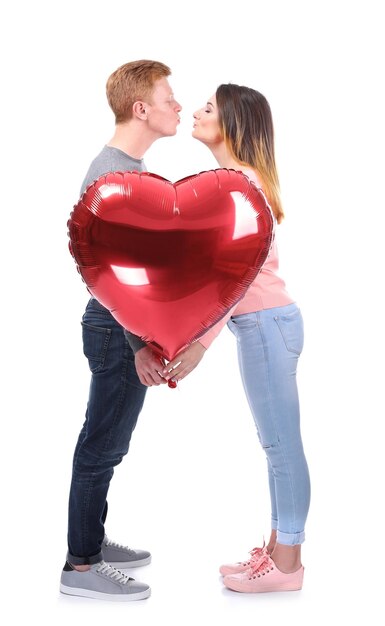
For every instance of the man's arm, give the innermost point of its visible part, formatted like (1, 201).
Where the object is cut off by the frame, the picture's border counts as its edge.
(135, 342)
(148, 364)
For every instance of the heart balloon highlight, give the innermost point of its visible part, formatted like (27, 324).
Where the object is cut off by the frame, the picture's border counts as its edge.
(170, 259)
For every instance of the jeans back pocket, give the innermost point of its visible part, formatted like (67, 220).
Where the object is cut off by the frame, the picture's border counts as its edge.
(290, 325)
(95, 345)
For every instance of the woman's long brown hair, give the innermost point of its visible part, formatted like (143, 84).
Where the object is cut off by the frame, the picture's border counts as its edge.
(247, 126)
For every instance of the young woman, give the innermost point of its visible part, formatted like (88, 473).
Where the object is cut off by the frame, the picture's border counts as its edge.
(236, 125)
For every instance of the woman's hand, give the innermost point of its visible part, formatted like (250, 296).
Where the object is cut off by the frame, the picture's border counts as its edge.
(184, 362)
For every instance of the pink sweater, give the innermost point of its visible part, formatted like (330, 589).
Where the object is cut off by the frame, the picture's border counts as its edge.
(267, 290)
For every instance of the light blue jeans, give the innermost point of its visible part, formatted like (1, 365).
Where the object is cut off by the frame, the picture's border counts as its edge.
(269, 344)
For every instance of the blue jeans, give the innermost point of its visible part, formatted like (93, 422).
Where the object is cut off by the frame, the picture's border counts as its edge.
(115, 400)
(269, 344)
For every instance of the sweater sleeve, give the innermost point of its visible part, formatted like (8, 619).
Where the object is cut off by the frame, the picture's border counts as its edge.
(207, 339)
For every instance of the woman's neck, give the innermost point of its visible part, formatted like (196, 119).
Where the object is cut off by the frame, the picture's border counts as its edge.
(227, 161)
(223, 157)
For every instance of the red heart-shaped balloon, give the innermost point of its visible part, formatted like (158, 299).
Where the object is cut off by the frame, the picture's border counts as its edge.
(170, 259)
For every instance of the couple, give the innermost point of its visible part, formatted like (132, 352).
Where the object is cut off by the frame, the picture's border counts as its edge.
(236, 125)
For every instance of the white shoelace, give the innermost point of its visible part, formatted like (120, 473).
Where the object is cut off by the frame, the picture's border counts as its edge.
(114, 544)
(112, 572)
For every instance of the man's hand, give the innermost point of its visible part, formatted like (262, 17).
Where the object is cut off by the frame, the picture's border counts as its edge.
(184, 362)
(149, 366)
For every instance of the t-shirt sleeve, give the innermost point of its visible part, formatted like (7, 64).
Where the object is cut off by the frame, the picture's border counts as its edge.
(135, 342)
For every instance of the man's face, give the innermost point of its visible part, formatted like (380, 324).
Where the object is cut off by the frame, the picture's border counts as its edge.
(163, 110)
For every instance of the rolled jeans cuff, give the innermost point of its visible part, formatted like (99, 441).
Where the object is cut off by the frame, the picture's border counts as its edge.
(84, 560)
(290, 539)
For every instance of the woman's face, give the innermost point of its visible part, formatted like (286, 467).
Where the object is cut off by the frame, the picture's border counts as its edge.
(206, 126)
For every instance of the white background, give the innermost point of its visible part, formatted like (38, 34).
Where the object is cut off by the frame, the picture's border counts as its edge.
(193, 488)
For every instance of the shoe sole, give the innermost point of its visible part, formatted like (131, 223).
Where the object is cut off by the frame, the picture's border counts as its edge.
(98, 595)
(128, 564)
(265, 590)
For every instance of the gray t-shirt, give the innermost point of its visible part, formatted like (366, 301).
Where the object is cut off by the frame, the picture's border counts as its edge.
(111, 160)
(115, 160)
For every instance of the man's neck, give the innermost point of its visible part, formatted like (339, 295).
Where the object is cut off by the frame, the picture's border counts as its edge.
(130, 138)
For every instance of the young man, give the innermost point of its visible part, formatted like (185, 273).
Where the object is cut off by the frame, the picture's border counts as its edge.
(145, 109)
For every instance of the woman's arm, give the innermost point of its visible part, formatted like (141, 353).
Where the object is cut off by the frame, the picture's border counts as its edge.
(187, 360)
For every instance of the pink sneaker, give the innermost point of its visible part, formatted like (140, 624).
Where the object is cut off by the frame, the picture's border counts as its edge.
(242, 566)
(262, 576)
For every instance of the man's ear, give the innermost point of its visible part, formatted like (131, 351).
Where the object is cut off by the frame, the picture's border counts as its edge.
(139, 110)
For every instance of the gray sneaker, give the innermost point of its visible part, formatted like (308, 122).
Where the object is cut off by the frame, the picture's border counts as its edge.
(103, 582)
(123, 557)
